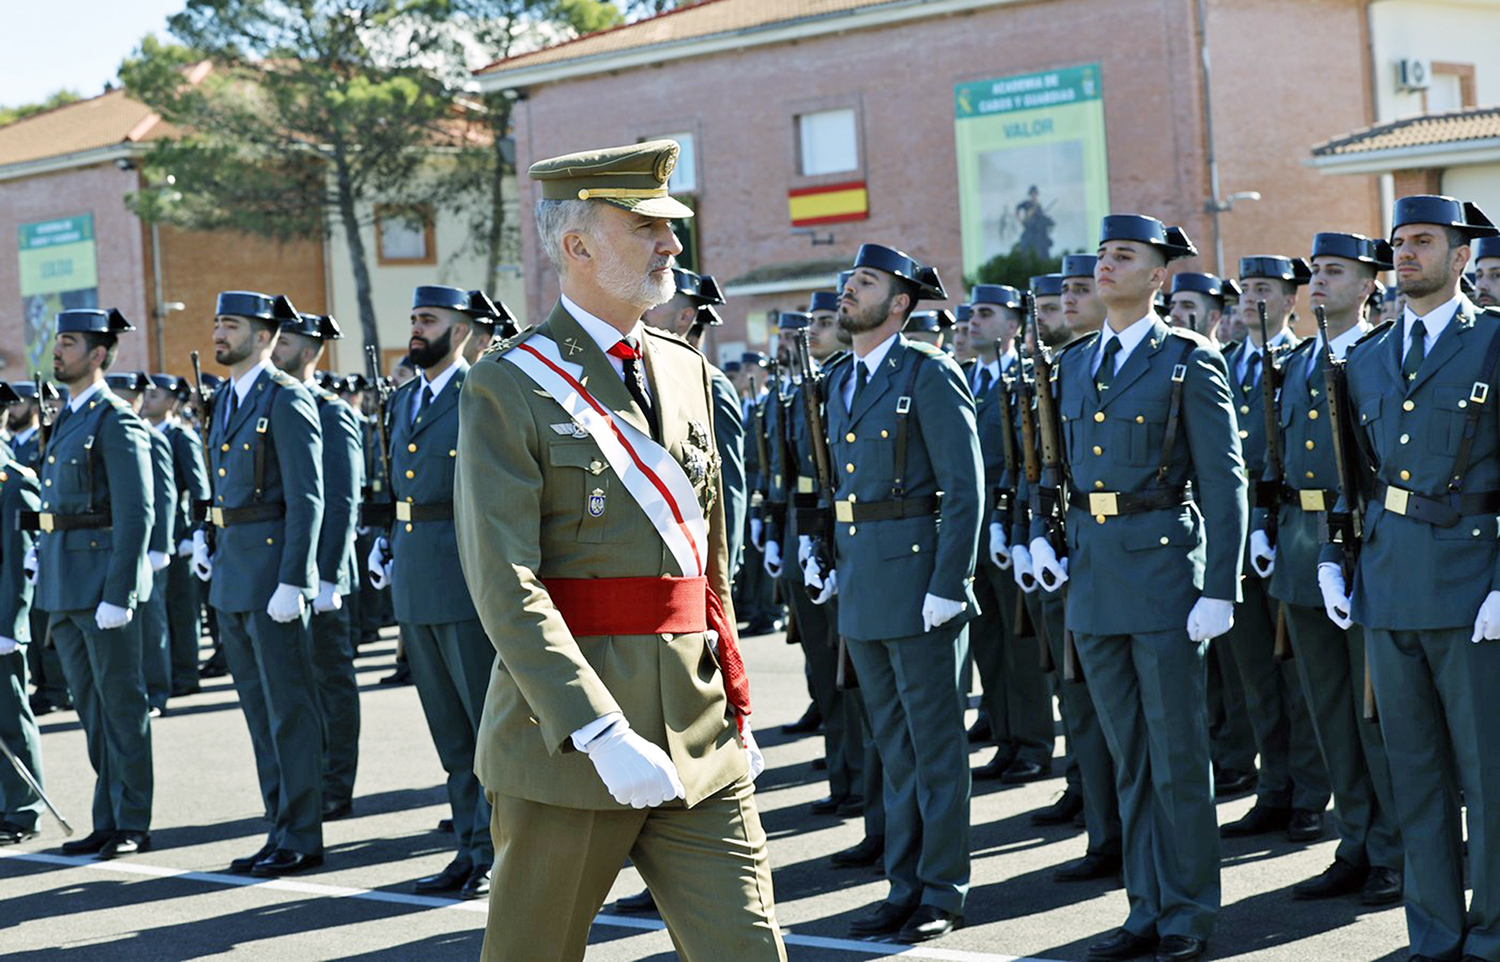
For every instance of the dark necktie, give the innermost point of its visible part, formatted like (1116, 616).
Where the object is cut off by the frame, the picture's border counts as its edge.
(635, 380)
(231, 408)
(861, 378)
(985, 379)
(1106, 373)
(422, 401)
(1247, 383)
(1416, 352)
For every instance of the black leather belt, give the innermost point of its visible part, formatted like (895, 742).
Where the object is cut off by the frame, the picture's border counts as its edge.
(228, 517)
(1108, 504)
(1440, 512)
(377, 514)
(853, 512)
(1263, 494)
(47, 521)
(437, 511)
(802, 501)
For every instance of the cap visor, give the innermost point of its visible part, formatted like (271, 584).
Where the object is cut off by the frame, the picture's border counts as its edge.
(664, 207)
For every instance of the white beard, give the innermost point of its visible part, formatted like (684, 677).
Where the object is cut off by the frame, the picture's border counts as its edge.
(621, 281)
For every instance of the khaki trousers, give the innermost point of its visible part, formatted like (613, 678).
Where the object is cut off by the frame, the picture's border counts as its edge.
(706, 866)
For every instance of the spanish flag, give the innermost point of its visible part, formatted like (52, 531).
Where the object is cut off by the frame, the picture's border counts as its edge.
(832, 204)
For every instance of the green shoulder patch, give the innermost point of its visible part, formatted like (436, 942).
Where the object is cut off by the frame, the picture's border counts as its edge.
(1377, 329)
(498, 348)
(282, 379)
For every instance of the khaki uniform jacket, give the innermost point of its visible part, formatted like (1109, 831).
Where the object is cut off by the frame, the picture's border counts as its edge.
(521, 497)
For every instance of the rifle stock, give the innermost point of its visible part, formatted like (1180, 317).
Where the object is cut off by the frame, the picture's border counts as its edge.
(1048, 503)
(1270, 491)
(382, 513)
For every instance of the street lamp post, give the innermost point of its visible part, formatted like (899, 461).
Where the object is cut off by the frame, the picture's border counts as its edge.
(1222, 205)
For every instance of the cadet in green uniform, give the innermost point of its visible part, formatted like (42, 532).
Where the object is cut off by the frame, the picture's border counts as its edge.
(20, 807)
(492, 320)
(1330, 662)
(757, 589)
(24, 422)
(299, 345)
(901, 429)
(1293, 788)
(1422, 395)
(449, 653)
(92, 572)
(929, 327)
(1150, 439)
(1487, 271)
(265, 454)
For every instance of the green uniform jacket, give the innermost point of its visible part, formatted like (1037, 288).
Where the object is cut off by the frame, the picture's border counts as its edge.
(251, 559)
(190, 472)
(19, 491)
(901, 560)
(30, 453)
(1140, 573)
(83, 567)
(164, 501)
(1249, 409)
(427, 581)
(343, 475)
(729, 431)
(522, 496)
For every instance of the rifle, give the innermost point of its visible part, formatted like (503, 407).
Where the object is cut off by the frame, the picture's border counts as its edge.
(1032, 466)
(1047, 497)
(372, 513)
(44, 418)
(1345, 528)
(1005, 498)
(202, 403)
(1268, 493)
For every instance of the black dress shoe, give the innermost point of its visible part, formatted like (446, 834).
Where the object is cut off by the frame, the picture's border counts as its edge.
(191, 688)
(863, 855)
(478, 884)
(401, 676)
(125, 843)
(1121, 944)
(242, 866)
(636, 904)
(996, 767)
(885, 919)
(215, 667)
(89, 844)
(1258, 821)
(1059, 812)
(820, 764)
(1079, 821)
(1305, 826)
(1340, 878)
(1089, 867)
(851, 807)
(1383, 887)
(1180, 948)
(445, 825)
(284, 861)
(333, 811)
(928, 922)
(811, 721)
(1022, 771)
(13, 834)
(450, 879)
(827, 805)
(761, 626)
(980, 732)
(1229, 783)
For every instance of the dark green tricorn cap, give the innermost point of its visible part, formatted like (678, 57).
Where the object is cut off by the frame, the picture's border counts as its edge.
(633, 177)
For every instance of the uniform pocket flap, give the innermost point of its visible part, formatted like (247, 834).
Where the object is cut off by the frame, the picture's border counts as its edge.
(576, 454)
(1370, 410)
(1480, 527)
(1169, 530)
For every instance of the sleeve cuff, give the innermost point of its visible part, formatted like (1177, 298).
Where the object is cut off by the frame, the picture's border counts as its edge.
(594, 729)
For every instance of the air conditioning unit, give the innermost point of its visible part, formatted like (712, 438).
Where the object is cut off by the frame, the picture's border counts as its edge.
(1413, 75)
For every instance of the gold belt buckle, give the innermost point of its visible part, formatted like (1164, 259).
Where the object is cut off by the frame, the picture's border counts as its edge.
(1106, 503)
(843, 511)
(44, 521)
(1396, 498)
(217, 515)
(1312, 499)
(804, 485)
(403, 510)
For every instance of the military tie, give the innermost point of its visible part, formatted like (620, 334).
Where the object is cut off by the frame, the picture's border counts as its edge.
(424, 399)
(57, 422)
(1417, 352)
(635, 380)
(231, 408)
(1106, 373)
(1252, 366)
(861, 378)
(985, 379)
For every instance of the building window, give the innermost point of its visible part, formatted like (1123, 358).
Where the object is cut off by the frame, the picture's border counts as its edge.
(404, 234)
(684, 179)
(1451, 87)
(828, 142)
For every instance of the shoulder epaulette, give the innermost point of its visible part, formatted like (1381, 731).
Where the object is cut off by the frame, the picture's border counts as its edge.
(1230, 347)
(922, 347)
(282, 379)
(669, 337)
(834, 360)
(323, 394)
(1303, 344)
(1077, 342)
(500, 347)
(1190, 335)
(1377, 329)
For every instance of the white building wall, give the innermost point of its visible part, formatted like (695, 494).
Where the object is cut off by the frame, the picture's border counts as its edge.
(1453, 31)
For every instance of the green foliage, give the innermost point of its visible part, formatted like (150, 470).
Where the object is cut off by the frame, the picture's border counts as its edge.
(9, 115)
(1016, 269)
(585, 16)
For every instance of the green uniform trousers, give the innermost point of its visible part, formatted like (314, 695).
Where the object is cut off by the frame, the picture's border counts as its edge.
(156, 652)
(1045, 610)
(1016, 697)
(818, 627)
(1291, 770)
(914, 696)
(1228, 721)
(338, 702)
(1331, 665)
(1439, 713)
(273, 675)
(184, 622)
(1148, 690)
(104, 674)
(451, 666)
(706, 867)
(19, 805)
(44, 663)
(755, 591)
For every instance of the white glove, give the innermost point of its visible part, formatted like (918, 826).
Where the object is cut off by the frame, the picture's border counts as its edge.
(158, 559)
(1209, 619)
(635, 771)
(1262, 555)
(1022, 570)
(379, 564)
(202, 566)
(8, 645)
(772, 561)
(108, 616)
(757, 533)
(30, 565)
(1336, 595)
(328, 598)
(1045, 565)
(185, 548)
(286, 604)
(999, 547)
(804, 550)
(824, 585)
(937, 612)
(1487, 623)
(757, 760)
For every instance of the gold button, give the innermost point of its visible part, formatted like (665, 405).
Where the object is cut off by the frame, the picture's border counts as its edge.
(221, 472)
(849, 468)
(411, 474)
(1164, 540)
(412, 448)
(408, 526)
(1099, 485)
(51, 459)
(884, 433)
(224, 446)
(532, 719)
(247, 445)
(48, 482)
(849, 437)
(1244, 434)
(1309, 444)
(1098, 415)
(915, 549)
(666, 636)
(1476, 532)
(1405, 438)
(852, 499)
(1140, 419)
(270, 541)
(1244, 409)
(1405, 475)
(851, 531)
(410, 499)
(453, 452)
(1310, 475)
(1312, 415)
(1408, 405)
(1099, 518)
(1098, 450)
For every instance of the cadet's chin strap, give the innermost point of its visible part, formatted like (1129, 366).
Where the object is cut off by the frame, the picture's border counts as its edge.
(903, 415)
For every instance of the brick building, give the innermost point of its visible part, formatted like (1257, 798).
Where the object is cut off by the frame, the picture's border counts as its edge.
(810, 126)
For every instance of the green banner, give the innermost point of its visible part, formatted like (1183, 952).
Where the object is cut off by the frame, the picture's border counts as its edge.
(1033, 173)
(59, 270)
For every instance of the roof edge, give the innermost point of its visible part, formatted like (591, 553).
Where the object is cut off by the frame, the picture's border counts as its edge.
(73, 161)
(1456, 153)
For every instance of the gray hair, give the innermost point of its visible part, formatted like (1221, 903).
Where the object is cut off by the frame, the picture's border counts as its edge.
(554, 218)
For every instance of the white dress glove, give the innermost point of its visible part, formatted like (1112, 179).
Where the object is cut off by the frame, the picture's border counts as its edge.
(823, 584)
(636, 772)
(757, 760)
(286, 604)
(1022, 569)
(1209, 619)
(158, 559)
(185, 548)
(937, 612)
(772, 561)
(1050, 571)
(328, 598)
(109, 617)
(757, 533)
(30, 564)
(804, 550)
(1487, 624)
(999, 546)
(203, 567)
(1262, 555)
(379, 564)
(1335, 594)
(8, 645)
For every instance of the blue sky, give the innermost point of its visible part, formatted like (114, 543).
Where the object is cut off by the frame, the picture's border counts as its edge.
(73, 44)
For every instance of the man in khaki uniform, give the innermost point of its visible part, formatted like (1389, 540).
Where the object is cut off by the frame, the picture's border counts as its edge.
(591, 531)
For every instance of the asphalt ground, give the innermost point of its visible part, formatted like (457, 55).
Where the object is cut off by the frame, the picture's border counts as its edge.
(178, 901)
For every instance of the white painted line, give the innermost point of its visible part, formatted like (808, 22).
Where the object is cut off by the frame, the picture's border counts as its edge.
(482, 905)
